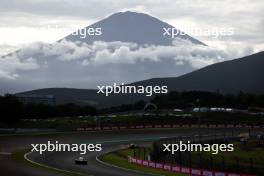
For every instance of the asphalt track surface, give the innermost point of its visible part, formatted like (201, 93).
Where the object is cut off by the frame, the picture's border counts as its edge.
(110, 140)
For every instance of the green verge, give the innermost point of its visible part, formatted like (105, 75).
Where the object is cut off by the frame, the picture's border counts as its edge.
(18, 156)
(119, 158)
(253, 152)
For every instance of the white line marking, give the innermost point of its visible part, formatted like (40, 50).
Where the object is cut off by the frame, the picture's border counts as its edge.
(163, 137)
(5, 153)
(49, 167)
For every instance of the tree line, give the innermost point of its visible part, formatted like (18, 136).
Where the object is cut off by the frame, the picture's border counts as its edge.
(11, 110)
(191, 99)
(209, 99)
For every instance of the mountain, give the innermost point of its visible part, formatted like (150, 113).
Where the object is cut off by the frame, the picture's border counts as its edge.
(133, 27)
(131, 48)
(65, 95)
(243, 74)
(83, 97)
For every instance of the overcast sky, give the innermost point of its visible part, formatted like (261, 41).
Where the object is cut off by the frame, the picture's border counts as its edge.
(27, 21)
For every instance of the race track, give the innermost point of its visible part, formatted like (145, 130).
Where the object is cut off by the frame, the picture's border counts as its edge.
(111, 140)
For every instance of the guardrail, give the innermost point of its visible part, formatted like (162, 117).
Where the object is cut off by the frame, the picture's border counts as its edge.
(181, 169)
(149, 126)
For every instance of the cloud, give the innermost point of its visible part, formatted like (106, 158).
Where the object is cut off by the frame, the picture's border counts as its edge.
(5, 49)
(139, 8)
(11, 64)
(181, 52)
(245, 16)
(78, 65)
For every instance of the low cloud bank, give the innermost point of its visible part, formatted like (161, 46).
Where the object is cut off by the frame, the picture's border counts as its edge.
(182, 52)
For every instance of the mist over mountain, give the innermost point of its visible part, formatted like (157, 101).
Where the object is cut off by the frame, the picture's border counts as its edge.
(132, 47)
(243, 74)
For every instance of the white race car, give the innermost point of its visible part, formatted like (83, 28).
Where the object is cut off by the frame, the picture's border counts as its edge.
(132, 146)
(81, 160)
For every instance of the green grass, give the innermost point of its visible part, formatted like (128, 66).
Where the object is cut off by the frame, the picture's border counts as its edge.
(245, 154)
(119, 158)
(18, 156)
